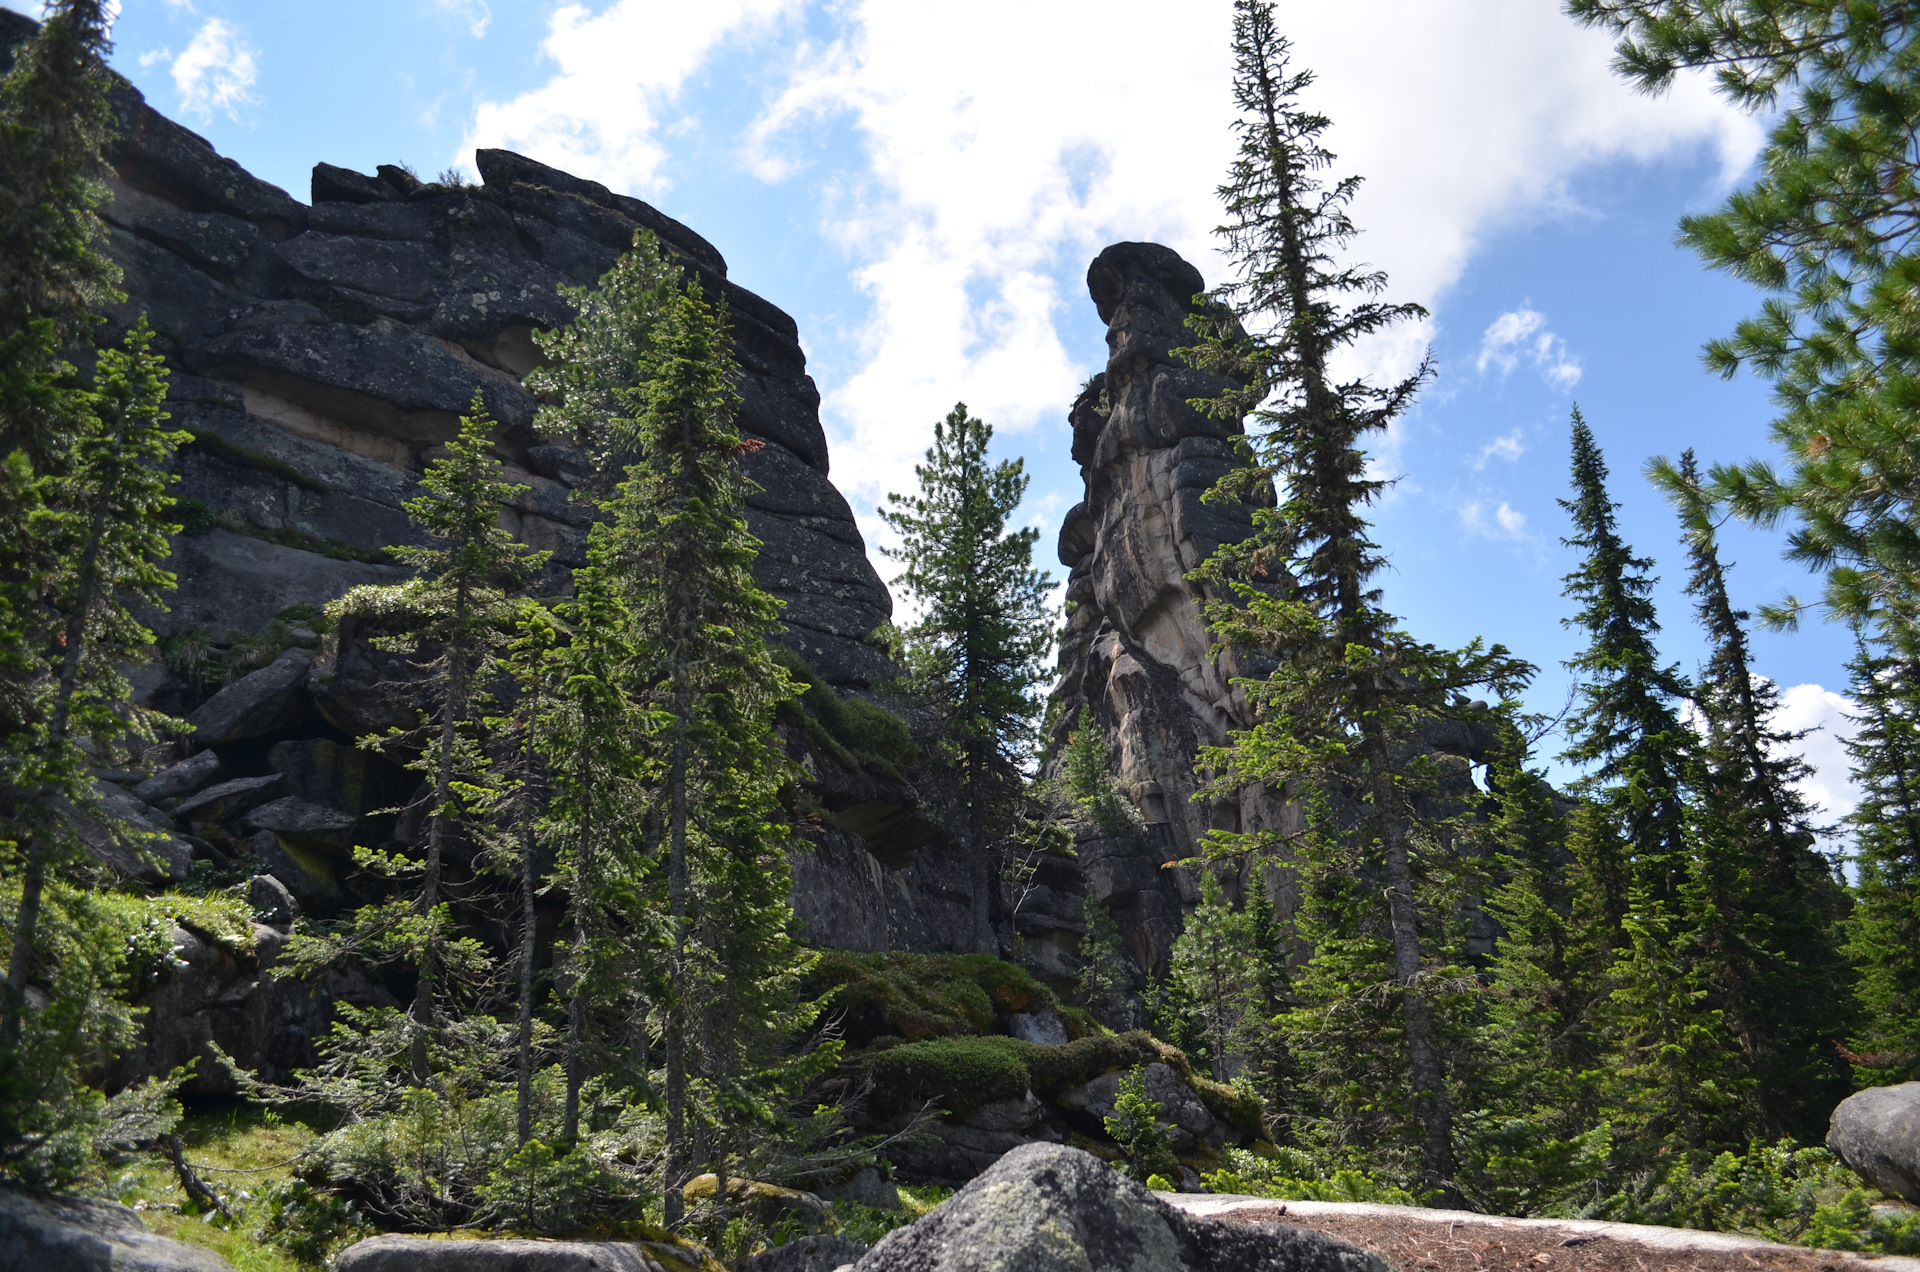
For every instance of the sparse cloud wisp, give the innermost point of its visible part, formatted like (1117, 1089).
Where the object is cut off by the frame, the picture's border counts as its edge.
(1522, 335)
(215, 72)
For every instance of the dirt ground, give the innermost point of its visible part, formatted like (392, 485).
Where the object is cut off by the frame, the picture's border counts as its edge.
(1417, 1245)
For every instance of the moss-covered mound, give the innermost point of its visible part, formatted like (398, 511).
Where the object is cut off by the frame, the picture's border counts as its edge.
(858, 734)
(921, 996)
(961, 1073)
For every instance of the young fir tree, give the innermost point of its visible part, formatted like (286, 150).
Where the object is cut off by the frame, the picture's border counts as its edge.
(979, 643)
(1260, 1036)
(699, 630)
(1827, 229)
(1352, 695)
(1776, 947)
(1537, 1133)
(459, 611)
(101, 537)
(1212, 962)
(1675, 1072)
(1883, 929)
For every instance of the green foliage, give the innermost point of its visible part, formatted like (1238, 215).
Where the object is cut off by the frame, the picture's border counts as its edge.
(1213, 959)
(1781, 1192)
(1883, 928)
(1086, 771)
(1292, 1175)
(978, 646)
(1826, 229)
(205, 439)
(1104, 983)
(1136, 1127)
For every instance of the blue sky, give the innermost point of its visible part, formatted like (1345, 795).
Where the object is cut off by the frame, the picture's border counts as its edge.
(922, 186)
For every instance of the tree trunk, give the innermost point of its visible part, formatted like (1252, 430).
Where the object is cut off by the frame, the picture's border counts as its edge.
(436, 839)
(524, 1061)
(676, 1042)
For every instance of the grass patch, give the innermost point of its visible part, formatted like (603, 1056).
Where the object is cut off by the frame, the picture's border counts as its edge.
(205, 439)
(867, 1224)
(244, 1154)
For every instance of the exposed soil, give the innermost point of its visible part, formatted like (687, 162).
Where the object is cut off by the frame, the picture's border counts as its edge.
(1419, 1245)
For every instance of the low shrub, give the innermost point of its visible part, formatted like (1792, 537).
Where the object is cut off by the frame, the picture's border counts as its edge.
(1800, 1196)
(1287, 1174)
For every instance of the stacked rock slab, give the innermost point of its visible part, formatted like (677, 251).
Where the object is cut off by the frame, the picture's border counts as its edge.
(321, 353)
(1136, 648)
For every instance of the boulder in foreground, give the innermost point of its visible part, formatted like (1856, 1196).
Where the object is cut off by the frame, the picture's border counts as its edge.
(426, 1254)
(1048, 1208)
(1876, 1132)
(71, 1234)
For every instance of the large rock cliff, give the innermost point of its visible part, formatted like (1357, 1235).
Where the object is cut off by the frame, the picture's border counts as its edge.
(1136, 650)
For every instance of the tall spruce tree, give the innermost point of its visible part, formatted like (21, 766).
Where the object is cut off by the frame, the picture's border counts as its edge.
(1827, 228)
(1883, 929)
(985, 628)
(1260, 1037)
(1677, 1078)
(699, 630)
(1776, 948)
(99, 541)
(1343, 713)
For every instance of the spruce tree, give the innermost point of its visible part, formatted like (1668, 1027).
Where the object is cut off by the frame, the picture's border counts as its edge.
(1775, 951)
(1260, 1037)
(1883, 929)
(1676, 1076)
(1537, 1133)
(1212, 962)
(978, 646)
(97, 544)
(1353, 694)
(457, 612)
(101, 538)
(699, 628)
(54, 119)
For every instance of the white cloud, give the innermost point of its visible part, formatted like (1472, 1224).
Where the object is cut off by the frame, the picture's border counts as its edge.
(216, 72)
(1830, 787)
(475, 12)
(1502, 521)
(1509, 447)
(186, 6)
(1522, 333)
(990, 175)
(155, 56)
(619, 69)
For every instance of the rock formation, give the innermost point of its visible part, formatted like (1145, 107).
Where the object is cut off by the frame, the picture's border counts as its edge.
(1045, 1207)
(1136, 648)
(320, 355)
(73, 1234)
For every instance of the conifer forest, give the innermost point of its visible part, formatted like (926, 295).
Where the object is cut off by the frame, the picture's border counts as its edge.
(551, 866)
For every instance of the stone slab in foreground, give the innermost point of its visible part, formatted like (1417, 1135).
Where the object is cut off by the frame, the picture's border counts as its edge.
(1672, 1242)
(72, 1234)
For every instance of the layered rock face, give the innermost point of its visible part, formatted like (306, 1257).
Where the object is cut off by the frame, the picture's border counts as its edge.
(322, 353)
(1136, 648)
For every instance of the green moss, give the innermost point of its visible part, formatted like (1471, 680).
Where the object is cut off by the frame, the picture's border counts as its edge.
(918, 996)
(855, 732)
(962, 1072)
(212, 443)
(300, 540)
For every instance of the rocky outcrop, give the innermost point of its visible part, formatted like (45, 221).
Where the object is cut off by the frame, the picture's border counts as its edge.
(321, 352)
(1046, 1207)
(1136, 648)
(1876, 1132)
(73, 1234)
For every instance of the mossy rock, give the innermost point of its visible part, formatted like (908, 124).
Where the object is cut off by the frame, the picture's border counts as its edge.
(769, 1204)
(924, 996)
(959, 1074)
